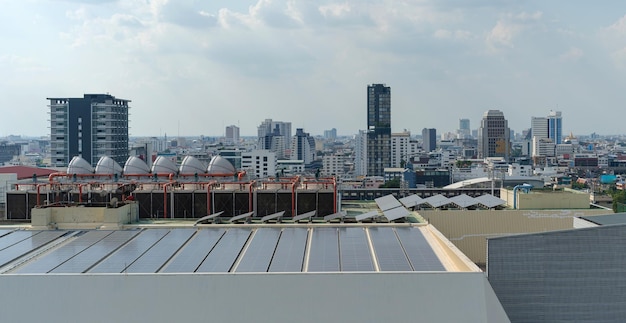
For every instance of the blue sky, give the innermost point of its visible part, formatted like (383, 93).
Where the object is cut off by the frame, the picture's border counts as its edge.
(194, 67)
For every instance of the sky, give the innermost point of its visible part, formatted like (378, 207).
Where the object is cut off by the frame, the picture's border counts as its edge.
(192, 68)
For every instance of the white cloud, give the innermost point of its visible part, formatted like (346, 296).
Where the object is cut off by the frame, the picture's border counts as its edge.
(573, 54)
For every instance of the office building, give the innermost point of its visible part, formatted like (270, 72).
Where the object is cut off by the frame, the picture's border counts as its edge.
(429, 139)
(555, 127)
(379, 129)
(232, 134)
(91, 127)
(494, 135)
(275, 136)
(464, 131)
(330, 134)
(400, 148)
(303, 147)
(259, 163)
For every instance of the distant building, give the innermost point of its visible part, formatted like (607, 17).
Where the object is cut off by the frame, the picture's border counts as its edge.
(555, 127)
(360, 153)
(464, 131)
(93, 126)
(379, 129)
(330, 134)
(303, 147)
(333, 165)
(232, 134)
(429, 138)
(259, 163)
(8, 151)
(400, 148)
(494, 135)
(275, 136)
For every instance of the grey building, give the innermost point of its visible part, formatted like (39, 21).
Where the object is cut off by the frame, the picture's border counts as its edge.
(93, 126)
(494, 136)
(378, 129)
(429, 138)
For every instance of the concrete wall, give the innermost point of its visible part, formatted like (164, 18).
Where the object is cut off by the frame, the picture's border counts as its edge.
(469, 229)
(537, 200)
(336, 297)
(82, 217)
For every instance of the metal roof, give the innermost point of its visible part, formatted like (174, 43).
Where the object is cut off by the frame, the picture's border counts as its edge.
(609, 219)
(231, 248)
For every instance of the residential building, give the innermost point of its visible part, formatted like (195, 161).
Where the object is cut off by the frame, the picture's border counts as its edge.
(464, 131)
(91, 127)
(330, 134)
(379, 129)
(400, 148)
(494, 135)
(360, 153)
(333, 165)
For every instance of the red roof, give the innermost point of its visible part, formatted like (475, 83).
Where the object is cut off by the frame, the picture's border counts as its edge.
(24, 172)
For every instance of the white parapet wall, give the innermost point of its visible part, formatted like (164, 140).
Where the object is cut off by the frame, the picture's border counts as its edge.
(322, 297)
(84, 217)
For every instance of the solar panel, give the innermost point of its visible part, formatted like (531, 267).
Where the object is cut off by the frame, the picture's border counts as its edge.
(303, 216)
(419, 251)
(153, 259)
(241, 216)
(464, 200)
(205, 219)
(354, 250)
(260, 250)
(437, 200)
(15, 237)
(128, 253)
(193, 253)
(324, 252)
(289, 253)
(27, 245)
(389, 252)
(5, 231)
(276, 215)
(84, 260)
(397, 213)
(411, 200)
(333, 216)
(490, 201)
(387, 202)
(367, 215)
(56, 257)
(224, 254)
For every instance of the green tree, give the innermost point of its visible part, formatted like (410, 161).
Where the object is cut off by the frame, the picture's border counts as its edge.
(619, 197)
(394, 183)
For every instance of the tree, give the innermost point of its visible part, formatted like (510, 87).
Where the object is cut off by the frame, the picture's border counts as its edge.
(619, 197)
(394, 183)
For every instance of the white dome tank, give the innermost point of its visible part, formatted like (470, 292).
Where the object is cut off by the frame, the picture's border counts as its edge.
(191, 165)
(220, 165)
(135, 166)
(164, 165)
(106, 165)
(79, 166)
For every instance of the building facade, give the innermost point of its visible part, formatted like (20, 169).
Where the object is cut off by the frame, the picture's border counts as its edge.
(232, 134)
(555, 127)
(360, 153)
(93, 126)
(275, 136)
(429, 138)
(303, 147)
(259, 163)
(400, 148)
(494, 136)
(379, 129)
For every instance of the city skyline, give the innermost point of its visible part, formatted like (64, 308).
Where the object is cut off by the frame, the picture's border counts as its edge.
(193, 68)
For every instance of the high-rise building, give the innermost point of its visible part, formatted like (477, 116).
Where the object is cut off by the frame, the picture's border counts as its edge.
(303, 147)
(330, 134)
(232, 134)
(275, 136)
(464, 131)
(429, 138)
(400, 148)
(360, 153)
(555, 127)
(494, 136)
(259, 163)
(378, 129)
(91, 127)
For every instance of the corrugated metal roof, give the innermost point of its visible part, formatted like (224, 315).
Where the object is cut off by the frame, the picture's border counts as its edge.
(25, 172)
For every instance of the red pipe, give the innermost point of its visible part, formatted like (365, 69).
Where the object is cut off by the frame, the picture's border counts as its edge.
(250, 209)
(293, 195)
(38, 190)
(165, 198)
(334, 195)
(53, 175)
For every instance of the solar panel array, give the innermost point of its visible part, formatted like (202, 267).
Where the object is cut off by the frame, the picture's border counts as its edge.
(462, 201)
(219, 249)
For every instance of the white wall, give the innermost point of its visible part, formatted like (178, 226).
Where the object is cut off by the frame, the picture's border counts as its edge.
(335, 297)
